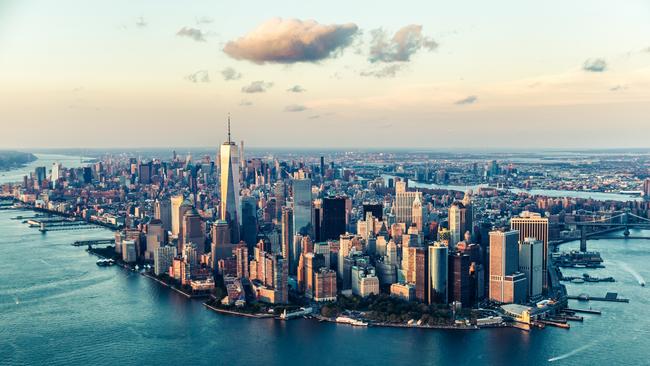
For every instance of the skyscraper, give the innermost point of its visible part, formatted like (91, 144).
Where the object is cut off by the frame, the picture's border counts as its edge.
(458, 277)
(193, 232)
(249, 221)
(531, 252)
(176, 202)
(457, 223)
(230, 210)
(287, 236)
(163, 212)
(302, 206)
(504, 261)
(437, 274)
(333, 221)
(532, 225)
(403, 207)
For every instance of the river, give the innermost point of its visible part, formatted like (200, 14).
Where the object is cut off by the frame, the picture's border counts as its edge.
(46, 160)
(58, 308)
(601, 196)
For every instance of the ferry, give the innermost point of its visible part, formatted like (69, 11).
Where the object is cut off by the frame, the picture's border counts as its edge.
(304, 312)
(105, 262)
(350, 321)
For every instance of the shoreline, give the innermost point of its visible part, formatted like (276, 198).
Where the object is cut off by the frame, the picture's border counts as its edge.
(226, 312)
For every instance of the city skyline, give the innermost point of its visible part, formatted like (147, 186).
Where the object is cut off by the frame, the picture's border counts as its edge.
(126, 75)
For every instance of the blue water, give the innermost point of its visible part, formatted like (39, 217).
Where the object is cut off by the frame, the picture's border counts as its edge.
(58, 308)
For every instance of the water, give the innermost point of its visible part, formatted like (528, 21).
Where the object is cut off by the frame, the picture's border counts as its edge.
(58, 308)
(46, 160)
(601, 196)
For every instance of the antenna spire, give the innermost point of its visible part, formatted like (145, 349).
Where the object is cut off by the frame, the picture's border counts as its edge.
(229, 127)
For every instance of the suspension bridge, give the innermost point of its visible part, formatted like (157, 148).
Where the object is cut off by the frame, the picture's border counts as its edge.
(607, 227)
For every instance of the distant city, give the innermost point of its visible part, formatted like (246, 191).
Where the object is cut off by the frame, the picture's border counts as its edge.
(392, 239)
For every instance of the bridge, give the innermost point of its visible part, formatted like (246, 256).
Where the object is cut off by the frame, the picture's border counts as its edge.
(603, 228)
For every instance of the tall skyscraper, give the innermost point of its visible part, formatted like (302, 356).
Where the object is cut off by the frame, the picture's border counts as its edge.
(531, 225)
(531, 252)
(249, 221)
(333, 221)
(458, 277)
(176, 202)
(302, 207)
(646, 188)
(56, 174)
(457, 223)
(193, 231)
(437, 274)
(230, 210)
(287, 236)
(403, 206)
(504, 261)
(163, 212)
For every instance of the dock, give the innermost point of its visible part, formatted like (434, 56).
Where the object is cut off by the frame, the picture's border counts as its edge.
(585, 311)
(609, 297)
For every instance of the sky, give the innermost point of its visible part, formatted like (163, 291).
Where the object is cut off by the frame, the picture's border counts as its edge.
(335, 74)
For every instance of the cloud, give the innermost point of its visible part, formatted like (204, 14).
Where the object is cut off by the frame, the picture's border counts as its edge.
(200, 76)
(469, 100)
(204, 20)
(245, 103)
(295, 108)
(404, 44)
(296, 89)
(385, 72)
(141, 23)
(193, 33)
(256, 87)
(595, 65)
(618, 88)
(230, 74)
(290, 41)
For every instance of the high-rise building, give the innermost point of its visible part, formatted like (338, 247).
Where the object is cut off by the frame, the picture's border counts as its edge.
(302, 206)
(287, 235)
(421, 278)
(193, 231)
(377, 210)
(230, 210)
(531, 252)
(646, 188)
(438, 274)
(504, 261)
(457, 223)
(155, 238)
(163, 212)
(41, 174)
(417, 216)
(176, 202)
(163, 258)
(333, 223)
(221, 247)
(403, 207)
(531, 225)
(56, 174)
(458, 277)
(249, 221)
(325, 285)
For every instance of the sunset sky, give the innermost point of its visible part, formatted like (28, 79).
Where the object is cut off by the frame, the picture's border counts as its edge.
(425, 74)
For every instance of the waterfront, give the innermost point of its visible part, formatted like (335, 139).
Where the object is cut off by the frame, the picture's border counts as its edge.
(46, 160)
(58, 307)
(601, 196)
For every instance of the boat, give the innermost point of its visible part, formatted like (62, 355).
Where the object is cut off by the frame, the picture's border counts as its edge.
(577, 280)
(350, 321)
(105, 262)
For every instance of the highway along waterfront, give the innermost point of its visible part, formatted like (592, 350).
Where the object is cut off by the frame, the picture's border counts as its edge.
(58, 307)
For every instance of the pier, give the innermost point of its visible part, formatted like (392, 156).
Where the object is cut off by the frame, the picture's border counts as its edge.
(90, 243)
(609, 297)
